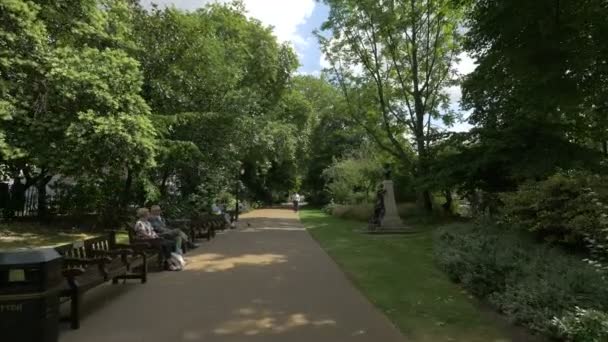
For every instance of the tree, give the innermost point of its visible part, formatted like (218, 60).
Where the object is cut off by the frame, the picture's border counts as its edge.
(82, 114)
(393, 61)
(353, 178)
(538, 94)
(332, 133)
(215, 80)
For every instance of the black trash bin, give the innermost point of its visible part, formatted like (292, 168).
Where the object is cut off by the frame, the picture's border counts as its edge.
(29, 295)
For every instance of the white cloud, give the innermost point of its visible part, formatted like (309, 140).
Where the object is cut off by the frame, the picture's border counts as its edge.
(324, 62)
(455, 94)
(284, 15)
(315, 73)
(183, 4)
(466, 64)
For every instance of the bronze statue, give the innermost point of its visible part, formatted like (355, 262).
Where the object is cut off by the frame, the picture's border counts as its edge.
(379, 209)
(387, 171)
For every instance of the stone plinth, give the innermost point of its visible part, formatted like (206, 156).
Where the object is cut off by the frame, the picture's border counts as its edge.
(391, 219)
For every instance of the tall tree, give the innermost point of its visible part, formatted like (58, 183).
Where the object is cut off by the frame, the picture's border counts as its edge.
(332, 133)
(398, 55)
(82, 115)
(538, 95)
(214, 79)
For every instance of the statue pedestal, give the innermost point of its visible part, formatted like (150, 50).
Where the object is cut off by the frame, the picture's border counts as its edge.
(391, 220)
(390, 223)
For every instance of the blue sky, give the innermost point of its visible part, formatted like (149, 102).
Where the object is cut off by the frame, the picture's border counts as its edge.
(311, 55)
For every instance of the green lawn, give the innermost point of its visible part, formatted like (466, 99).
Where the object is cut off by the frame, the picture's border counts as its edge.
(32, 235)
(398, 275)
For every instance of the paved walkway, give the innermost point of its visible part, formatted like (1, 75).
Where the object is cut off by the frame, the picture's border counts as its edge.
(267, 281)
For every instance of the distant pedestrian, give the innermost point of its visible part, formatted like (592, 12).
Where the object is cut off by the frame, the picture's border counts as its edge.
(296, 201)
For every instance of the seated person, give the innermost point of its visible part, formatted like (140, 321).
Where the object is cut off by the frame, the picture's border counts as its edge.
(144, 231)
(221, 210)
(160, 227)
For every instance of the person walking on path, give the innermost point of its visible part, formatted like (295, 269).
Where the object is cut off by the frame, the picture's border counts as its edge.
(296, 201)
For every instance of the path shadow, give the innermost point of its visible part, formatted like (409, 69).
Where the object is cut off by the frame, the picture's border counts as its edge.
(96, 299)
(260, 223)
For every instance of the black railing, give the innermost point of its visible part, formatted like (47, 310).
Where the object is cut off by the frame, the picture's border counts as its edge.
(18, 203)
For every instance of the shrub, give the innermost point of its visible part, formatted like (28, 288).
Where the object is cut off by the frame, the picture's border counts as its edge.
(529, 282)
(329, 208)
(582, 325)
(563, 208)
(354, 179)
(473, 259)
(359, 212)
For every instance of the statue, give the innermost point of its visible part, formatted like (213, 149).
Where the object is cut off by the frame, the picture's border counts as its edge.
(385, 219)
(379, 210)
(387, 171)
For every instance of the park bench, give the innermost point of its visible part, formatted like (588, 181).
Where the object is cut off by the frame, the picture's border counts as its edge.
(94, 261)
(204, 227)
(152, 248)
(195, 229)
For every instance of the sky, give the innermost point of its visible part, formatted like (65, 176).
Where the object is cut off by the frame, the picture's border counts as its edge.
(294, 21)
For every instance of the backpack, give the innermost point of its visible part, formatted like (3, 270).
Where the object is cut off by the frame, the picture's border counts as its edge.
(176, 262)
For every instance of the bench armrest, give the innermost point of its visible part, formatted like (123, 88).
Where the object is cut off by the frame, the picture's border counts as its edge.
(73, 272)
(79, 262)
(114, 252)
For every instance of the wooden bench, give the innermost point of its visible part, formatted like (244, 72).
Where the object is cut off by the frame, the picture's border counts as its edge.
(195, 230)
(202, 227)
(151, 247)
(94, 261)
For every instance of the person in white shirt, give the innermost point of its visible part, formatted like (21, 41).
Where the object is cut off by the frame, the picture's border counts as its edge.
(144, 231)
(296, 201)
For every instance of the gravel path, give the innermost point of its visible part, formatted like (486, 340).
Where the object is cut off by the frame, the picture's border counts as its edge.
(267, 281)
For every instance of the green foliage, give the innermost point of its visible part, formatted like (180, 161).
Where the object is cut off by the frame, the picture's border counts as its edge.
(394, 62)
(70, 98)
(564, 208)
(583, 325)
(219, 86)
(357, 212)
(528, 282)
(332, 134)
(354, 179)
(537, 95)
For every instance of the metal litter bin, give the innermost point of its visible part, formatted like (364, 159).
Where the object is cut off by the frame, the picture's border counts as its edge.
(29, 295)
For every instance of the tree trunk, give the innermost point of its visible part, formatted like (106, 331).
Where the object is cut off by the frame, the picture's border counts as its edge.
(427, 201)
(163, 184)
(423, 169)
(126, 195)
(17, 198)
(42, 199)
(447, 206)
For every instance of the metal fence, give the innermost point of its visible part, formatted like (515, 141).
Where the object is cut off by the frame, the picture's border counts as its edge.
(17, 203)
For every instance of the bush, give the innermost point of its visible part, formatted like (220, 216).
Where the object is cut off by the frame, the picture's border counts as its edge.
(363, 212)
(583, 325)
(359, 212)
(563, 208)
(528, 282)
(354, 179)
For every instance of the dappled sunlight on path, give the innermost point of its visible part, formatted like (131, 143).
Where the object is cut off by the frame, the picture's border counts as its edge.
(248, 322)
(218, 262)
(268, 280)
